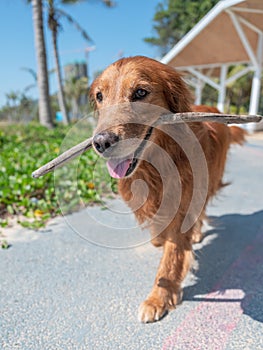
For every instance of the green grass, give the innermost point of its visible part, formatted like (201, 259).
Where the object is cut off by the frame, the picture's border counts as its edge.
(34, 201)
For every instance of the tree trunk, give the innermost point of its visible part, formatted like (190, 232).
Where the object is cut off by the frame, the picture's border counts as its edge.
(61, 96)
(45, 116)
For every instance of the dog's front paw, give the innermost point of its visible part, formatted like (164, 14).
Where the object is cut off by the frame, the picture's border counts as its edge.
(151, 310)
(156, 307)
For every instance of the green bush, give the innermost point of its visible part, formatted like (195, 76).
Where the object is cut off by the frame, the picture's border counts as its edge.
(26, 148)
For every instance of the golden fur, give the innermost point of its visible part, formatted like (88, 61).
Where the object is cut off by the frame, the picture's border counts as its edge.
(112, 93)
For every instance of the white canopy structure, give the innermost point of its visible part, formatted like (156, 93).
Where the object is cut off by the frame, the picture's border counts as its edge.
(230, 34)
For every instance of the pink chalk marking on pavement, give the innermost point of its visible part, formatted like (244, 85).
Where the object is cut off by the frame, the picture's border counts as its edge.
(209, 325)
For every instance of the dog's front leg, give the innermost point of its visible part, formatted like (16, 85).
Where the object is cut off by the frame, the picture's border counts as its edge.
(166, 292)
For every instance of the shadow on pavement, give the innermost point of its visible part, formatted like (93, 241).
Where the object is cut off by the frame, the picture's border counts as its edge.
(231, 258)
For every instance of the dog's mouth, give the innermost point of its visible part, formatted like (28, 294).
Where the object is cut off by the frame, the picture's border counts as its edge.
(123, 167)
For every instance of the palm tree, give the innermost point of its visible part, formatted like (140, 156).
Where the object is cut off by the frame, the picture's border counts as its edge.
(45, 117)
(53, 23)
(34, 76)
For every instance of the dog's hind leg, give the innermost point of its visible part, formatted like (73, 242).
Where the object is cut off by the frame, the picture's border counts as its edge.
(197, 235)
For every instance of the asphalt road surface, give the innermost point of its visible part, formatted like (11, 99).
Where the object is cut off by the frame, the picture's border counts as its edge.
(78, 283)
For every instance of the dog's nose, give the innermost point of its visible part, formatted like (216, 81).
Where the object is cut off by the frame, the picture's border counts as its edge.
(104, 140)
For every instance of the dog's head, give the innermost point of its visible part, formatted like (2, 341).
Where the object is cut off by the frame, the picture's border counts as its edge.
(128, 97)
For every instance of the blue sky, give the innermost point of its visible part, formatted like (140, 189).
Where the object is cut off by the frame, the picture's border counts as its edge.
(116, 30)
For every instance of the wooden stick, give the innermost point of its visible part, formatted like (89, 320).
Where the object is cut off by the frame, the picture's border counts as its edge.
(207, 117)
(164, 119)
(63, 158)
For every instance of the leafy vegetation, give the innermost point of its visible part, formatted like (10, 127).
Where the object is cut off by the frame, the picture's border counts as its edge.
(4, 244)
(34, 201)
(174, 18)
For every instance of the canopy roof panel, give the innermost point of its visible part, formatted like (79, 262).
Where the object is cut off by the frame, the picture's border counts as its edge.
(217, 38)
(230, 34)
(218, 43)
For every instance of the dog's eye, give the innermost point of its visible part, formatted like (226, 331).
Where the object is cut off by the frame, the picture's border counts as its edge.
(139, 94)
(99, 96)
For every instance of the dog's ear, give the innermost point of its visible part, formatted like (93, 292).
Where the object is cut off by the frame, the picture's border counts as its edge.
(178, 96)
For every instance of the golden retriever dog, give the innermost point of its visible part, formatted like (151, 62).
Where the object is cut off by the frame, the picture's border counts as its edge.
(167, 173)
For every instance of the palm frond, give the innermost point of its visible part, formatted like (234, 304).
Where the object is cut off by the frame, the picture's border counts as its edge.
(30, 71)
(72, 21)
(109, 3)
(29, 87)
(69, 2)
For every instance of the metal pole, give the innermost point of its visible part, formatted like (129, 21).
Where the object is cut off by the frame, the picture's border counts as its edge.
(198, 92)
(222, 89)
(256, 82)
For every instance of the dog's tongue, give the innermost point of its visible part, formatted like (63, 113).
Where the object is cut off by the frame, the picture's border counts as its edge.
(118, 167)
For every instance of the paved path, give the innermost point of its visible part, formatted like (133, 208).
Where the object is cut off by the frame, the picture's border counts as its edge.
(59, 291)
